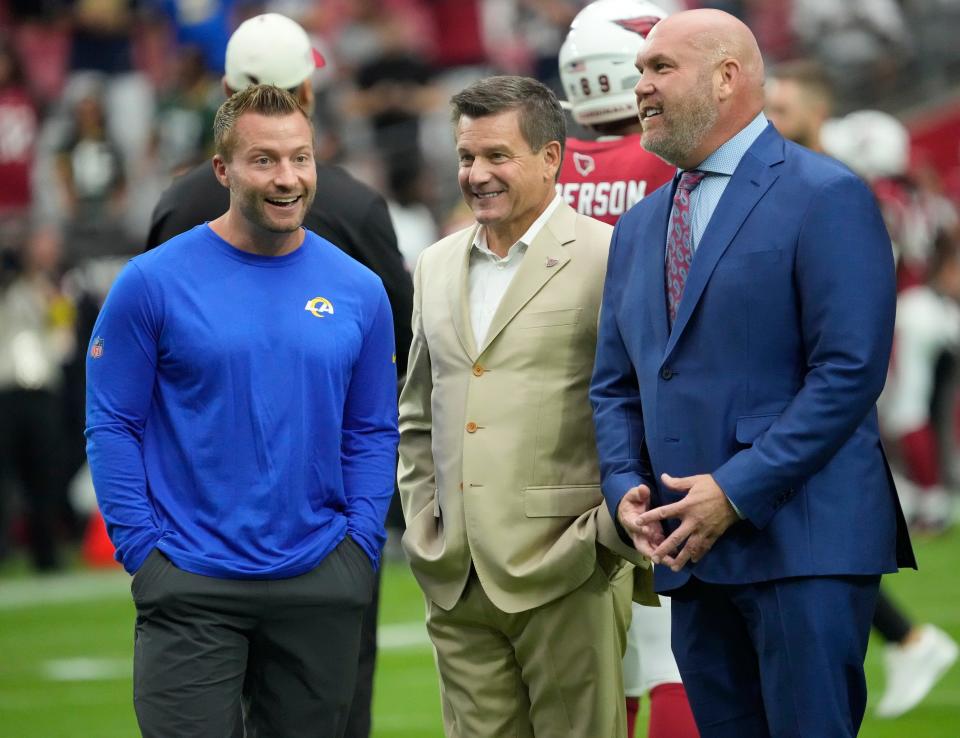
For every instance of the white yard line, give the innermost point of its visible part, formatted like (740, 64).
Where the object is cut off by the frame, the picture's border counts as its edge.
(87, 670)
(89, 586)
(395, 637)
(63, 588)
(402, 636)
(92, 586)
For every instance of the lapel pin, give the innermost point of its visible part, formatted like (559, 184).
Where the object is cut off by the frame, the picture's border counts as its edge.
(552, 262)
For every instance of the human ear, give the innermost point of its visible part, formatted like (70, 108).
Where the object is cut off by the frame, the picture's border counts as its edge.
(727, 75)
(551, 159)
(220, 170)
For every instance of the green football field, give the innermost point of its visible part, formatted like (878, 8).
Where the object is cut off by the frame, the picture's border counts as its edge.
(65, 654)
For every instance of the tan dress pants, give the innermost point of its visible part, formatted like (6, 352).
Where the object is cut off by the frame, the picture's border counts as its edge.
(555, 671)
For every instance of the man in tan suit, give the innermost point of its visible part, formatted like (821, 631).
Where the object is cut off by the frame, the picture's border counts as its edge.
(527, 580)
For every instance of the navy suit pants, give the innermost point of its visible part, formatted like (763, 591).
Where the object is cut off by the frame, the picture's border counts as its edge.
(778, 659)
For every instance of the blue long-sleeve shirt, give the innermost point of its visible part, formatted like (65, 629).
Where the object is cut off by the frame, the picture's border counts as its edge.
(241, 409)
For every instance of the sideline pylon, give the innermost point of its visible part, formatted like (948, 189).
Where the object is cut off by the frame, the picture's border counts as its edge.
(97, 550)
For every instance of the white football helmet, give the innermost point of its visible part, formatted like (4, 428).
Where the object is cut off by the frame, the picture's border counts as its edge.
(598, 57)
(872, 143)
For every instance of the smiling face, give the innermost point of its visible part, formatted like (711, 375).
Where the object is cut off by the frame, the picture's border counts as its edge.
(675, 97)
(506, 184)
(701, 83)
(271, 175)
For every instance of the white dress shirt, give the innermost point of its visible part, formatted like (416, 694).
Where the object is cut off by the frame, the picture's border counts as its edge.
(489, 275)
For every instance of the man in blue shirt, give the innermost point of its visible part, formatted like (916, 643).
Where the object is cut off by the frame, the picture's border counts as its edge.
(241, 428)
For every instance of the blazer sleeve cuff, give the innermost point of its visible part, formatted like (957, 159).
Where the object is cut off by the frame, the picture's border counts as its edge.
(753, 504)
(615, 486)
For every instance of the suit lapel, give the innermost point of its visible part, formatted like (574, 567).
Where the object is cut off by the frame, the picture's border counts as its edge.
(458, 295)
(749, 183)
(544, 259)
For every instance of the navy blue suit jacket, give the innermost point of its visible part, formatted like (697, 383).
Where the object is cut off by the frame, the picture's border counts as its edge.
(769, 378)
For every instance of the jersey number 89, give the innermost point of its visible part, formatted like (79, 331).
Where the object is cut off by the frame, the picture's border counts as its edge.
(603, 81)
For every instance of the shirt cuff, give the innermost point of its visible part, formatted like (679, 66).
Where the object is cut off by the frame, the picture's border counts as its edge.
(735, 508)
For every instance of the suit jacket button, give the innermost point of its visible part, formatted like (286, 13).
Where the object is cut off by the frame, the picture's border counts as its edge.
(666, 373)
(471, 427)
(478, 370)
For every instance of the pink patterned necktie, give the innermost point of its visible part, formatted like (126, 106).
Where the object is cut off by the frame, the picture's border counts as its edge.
(680, 240)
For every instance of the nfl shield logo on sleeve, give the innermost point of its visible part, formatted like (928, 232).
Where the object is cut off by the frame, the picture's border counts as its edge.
(96, 351)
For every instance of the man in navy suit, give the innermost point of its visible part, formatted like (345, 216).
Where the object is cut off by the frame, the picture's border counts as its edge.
(745, 333)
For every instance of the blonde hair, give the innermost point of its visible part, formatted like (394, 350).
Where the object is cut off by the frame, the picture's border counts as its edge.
(263, 99)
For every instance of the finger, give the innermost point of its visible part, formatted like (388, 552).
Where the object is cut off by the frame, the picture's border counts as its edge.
(673, 542)
(630, 528)
(638, 495)
(701, 549)
(667, 561)
(643, 545)
(647, 540)
(646, 547)
(666, 551)
(630, 506)
(694, 550)
(678, 484)
(653, 533)
(674, 510)
(691, 546)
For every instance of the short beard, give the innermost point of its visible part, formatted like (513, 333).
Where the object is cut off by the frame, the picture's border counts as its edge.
(693, 118)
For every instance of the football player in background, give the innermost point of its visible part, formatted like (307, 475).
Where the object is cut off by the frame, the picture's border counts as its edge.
(603, 177)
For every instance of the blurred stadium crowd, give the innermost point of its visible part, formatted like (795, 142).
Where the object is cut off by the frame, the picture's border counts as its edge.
(103, 102)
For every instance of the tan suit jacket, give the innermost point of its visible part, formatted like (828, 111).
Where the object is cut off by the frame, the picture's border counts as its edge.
(498, 463)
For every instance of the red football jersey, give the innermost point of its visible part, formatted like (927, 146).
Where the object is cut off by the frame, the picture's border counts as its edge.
(603, 179)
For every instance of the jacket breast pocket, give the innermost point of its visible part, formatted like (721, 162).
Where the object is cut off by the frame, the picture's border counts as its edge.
(549, 318)
(560, 501)
(750, 427)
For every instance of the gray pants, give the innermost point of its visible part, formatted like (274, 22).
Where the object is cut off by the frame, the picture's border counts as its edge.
(224, 658)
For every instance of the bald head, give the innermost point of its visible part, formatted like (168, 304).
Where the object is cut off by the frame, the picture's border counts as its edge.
(716, 36)
(703, 76)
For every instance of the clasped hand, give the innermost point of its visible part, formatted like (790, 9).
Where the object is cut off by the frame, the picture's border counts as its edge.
(704, 514)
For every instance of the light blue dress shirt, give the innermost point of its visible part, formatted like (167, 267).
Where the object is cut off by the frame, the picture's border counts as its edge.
(719, 167)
